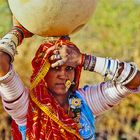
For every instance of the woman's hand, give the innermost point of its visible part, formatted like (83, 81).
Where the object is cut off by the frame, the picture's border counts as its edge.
(69, 55)
(4, 63)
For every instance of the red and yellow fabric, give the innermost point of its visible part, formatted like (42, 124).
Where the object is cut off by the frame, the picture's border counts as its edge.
(46, 120)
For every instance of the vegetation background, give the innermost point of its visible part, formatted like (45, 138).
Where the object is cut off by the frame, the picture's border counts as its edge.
(113, 31)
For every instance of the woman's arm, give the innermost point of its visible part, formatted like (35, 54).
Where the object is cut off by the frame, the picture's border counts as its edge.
(104, 96)
(122, 79)
(14, 95)
(14, 38)
(123, 73)
(4, 63)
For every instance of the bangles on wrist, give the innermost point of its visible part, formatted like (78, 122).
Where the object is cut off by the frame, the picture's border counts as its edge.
(10, 41)
(132, 73)
(18, 33)
(109, 68)
(89, 62)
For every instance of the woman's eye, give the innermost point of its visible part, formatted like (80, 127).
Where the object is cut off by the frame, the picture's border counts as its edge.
(69, 68)
(56, 68)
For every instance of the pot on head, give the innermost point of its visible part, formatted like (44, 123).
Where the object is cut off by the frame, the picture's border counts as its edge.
(52, 17)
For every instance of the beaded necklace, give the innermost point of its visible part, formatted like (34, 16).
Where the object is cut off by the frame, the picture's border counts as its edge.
(75, 107)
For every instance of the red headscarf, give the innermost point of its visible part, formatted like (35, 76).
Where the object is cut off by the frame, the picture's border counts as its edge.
(41, 124)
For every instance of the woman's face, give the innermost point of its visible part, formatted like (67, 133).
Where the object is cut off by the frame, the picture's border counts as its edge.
(57, 77)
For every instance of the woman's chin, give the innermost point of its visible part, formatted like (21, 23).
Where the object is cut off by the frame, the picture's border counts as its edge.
(60, 91)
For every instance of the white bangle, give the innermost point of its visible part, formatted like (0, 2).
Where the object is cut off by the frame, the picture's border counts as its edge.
(125, 73)
(12, 37)
(106, 67)
(91, 64)
(122, 91)
(3, 78)
(117, 71)
(113, 69)
(8, 47)
(132, 75)
(100, 65)
(116, 68)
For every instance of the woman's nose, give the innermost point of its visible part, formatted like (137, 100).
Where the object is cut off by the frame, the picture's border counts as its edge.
(63, 74)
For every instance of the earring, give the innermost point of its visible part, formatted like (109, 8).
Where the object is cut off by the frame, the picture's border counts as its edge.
(73, 83)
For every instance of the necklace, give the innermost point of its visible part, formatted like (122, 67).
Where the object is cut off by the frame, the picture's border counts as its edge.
(75, 107)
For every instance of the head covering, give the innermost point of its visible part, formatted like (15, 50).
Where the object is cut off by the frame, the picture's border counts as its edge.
(46, 119)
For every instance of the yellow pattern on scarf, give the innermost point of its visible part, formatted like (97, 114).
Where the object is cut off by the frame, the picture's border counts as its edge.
(38, 78)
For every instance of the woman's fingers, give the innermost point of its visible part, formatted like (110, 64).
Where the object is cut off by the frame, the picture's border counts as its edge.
(56, 52)
(58, 63)
(52, 50)
(64, 55)
(49, 50)
(55, 57)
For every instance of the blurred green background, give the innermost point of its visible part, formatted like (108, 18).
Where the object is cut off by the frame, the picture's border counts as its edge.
(113, 31)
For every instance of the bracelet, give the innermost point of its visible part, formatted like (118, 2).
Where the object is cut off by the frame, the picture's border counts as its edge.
(108, 68)
(89, 62)
(9, 44)
(104, 68)
(26, 33)
(11, 37)
(92, 64)
(117, 71)
(8, 47)
(19, 30)
(15, 33)
(100, 65)
(111, 69)
(3, 78)
(132, 74)
(86, 61)
(18, 33)
(123, 92)
(125, 73)
(128, 73)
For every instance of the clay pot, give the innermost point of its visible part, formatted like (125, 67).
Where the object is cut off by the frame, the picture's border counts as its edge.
(52, 17)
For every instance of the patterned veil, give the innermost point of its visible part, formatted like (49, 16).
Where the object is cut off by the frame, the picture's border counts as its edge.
(46, 119)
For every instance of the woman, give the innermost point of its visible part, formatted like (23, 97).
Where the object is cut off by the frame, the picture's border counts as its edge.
(54, 107)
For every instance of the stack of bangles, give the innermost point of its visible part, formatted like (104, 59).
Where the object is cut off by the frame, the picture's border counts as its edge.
(17, 31)
(11, 40)
(110, 68)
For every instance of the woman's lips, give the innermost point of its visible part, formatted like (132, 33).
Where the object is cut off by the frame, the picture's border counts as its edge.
(60, 85)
